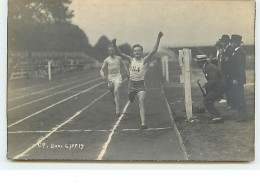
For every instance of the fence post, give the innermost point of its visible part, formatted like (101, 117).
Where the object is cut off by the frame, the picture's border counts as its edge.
(49, 70)
(21, 75)
(187, 82)
(167, 68)
(163, 66)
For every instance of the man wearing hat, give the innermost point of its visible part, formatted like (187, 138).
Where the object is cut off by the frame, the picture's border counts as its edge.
(225, 64)
(226, 53)
(238, 77)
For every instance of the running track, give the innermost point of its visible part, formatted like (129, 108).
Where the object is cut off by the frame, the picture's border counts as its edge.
(74, 119)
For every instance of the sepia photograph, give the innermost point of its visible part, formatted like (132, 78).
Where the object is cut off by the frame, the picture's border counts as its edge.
(131, 80)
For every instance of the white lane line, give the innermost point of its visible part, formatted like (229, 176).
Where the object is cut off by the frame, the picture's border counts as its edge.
(135, 129)
(104, 148)
(25, 88)
(28, 131)
(46, 108)
(249, 84)
(175, 127)
(46, 131)
(59, 92)
(38, 92)
(123, 130)
(95, 130)
(58, 126)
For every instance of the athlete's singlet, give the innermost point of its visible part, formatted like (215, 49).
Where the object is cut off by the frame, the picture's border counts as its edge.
(113, 64)
(137, 70)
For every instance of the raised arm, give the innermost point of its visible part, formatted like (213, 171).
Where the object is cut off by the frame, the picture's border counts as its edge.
(150, 55)
(126, 68)
(120, 52)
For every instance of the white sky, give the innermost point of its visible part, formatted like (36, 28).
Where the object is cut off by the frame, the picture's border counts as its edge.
(184, 23)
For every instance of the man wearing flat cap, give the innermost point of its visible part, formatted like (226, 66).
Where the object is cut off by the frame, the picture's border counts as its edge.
(238, 77)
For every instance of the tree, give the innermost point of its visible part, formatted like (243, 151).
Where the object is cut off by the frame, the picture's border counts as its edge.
(41, 11)
(100, 49)
(44, 25)
(126, 48)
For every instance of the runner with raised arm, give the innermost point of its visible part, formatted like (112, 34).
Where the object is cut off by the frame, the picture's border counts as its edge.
(138, 68)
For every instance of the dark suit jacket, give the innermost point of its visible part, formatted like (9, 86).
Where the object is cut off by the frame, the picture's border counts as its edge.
(226, 65)
(238, 60)
(215, 78)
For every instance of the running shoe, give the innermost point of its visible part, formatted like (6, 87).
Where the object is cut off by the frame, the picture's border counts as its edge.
(144, 127)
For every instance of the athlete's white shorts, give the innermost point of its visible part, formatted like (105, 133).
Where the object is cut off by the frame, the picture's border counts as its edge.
(114, 79)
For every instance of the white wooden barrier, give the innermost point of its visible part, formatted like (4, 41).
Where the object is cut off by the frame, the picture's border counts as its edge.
(185, 60)
(49, 70)
(165, 67)
(18, 75)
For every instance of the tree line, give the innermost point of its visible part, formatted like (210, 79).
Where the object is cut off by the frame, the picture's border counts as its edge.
(45, 25)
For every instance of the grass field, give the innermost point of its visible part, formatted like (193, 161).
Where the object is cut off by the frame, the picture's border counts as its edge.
(228, 141)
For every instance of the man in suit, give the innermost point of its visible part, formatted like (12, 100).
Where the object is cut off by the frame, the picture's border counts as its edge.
(225, 54)
(215, 87)
(238, 77)
(218, 53)
(225, 64)
(215, 57)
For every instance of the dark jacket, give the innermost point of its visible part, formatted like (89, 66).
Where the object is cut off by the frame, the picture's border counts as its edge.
(215, 79)
(226, 65)
(238, 60)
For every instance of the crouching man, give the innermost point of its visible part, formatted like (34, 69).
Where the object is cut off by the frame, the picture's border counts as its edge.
(215, 88)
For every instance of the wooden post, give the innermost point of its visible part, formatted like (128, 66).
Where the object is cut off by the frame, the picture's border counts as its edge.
(49, 70)
(163, 66)
(167, 69)
(21, 75)
(187, 82)
(181, 61)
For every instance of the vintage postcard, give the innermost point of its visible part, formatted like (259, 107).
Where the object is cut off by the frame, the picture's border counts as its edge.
(131, 80)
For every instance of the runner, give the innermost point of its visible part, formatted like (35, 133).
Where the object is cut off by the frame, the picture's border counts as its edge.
(114, 78)
(138, 68)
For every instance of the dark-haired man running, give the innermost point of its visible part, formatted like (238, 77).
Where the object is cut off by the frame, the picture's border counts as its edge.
(138, 68)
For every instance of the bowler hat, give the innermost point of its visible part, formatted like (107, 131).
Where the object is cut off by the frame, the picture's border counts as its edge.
(236, 38)
(225, 38)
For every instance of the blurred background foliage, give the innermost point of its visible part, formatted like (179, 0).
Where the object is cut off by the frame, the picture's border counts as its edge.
(45, 25)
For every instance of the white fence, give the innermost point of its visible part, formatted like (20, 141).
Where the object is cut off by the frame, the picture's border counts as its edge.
(46, 71)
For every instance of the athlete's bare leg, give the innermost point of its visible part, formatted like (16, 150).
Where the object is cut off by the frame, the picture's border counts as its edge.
(112, 90)
(141, 96)
(116, 98)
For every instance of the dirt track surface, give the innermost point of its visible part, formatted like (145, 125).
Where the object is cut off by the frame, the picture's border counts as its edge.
(73, 118)
(228, 141)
